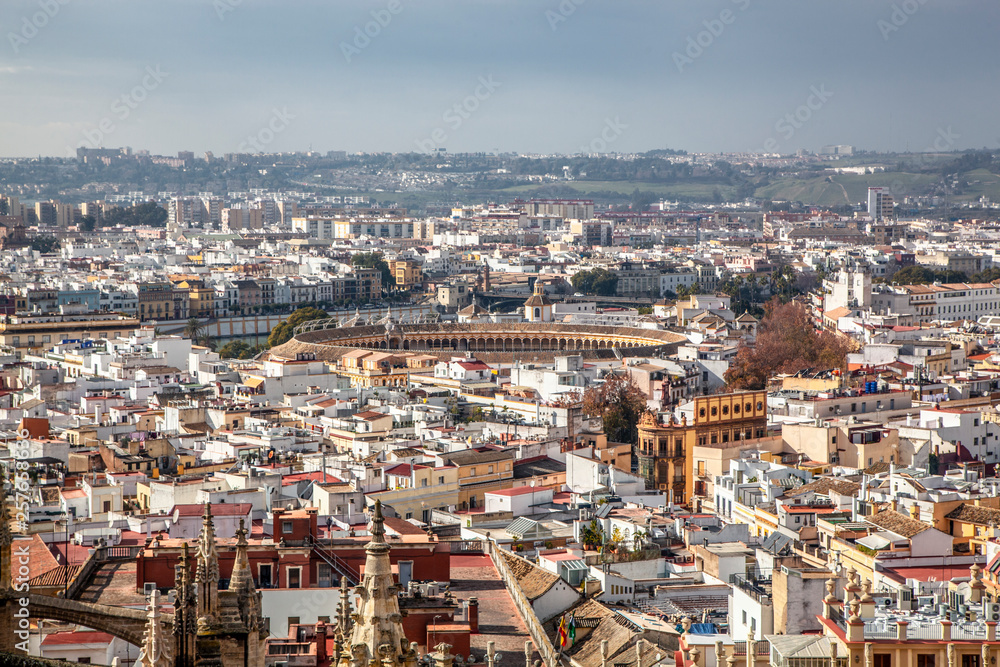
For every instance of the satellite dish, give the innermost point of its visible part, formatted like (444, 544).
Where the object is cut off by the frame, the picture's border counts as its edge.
(497, 657)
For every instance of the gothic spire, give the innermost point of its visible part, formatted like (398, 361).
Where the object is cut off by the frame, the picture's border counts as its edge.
(378, 631)
(155, 650)
(207, 576)
(241, 579)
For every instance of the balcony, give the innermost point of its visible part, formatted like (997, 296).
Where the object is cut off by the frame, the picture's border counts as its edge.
(758, 588)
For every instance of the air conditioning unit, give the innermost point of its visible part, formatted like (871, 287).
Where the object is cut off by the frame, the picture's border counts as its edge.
(148, 588)
(991, 612)
(883, 602)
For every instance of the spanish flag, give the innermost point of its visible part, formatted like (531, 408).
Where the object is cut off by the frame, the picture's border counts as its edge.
(563, 636)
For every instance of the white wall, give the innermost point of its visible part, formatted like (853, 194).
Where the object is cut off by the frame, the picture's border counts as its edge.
(308, 604)
(554, 601)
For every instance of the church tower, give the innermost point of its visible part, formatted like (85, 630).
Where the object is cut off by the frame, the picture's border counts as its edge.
(377, 638)
(538, 308)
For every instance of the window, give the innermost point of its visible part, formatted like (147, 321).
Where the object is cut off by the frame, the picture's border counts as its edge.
(725, 410)
(409, 515)
(264, 575)
(472, 472)
(441, 479)
(107, 506)
(294, 577)
(715, 410)
(967, 661)
(489, 470)
(286, 527)
(760, 406)
(324, 576)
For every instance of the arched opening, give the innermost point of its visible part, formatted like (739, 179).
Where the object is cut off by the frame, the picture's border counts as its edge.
(538, 313)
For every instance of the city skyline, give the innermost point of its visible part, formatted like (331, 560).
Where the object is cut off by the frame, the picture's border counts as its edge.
(569, 77)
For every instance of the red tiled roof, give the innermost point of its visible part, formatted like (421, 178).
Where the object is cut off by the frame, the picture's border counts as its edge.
(69, 638)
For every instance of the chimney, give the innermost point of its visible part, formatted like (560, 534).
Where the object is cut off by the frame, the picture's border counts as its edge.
(474, 616)
(320, 643)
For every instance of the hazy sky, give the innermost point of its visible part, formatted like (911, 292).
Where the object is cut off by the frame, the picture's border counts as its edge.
(626, 75)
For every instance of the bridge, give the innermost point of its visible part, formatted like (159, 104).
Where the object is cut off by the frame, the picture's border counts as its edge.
(122, 622)
(514, 301)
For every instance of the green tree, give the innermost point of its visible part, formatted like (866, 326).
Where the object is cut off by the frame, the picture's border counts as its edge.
(286, 329)
(237, 349)
(596, 282)
(45, 243)
(193, 329)
(922, 275)
(987, 276)
(88, 223)
(147, 214)
(592, 536)
(375, 260)
(619, 402)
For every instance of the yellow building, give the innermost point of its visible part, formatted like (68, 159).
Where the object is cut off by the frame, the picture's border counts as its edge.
(407, 273)
(666, 446)
(841, 442)
(416, 490)
(479, 472)
(369, 368)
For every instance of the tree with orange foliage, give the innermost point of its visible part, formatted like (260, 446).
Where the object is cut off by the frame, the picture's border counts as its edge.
(619, 402)
(787, 342)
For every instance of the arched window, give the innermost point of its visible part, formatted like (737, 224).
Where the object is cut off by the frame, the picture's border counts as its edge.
(538, 313)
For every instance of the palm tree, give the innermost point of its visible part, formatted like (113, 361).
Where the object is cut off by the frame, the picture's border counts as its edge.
(194, 329)
(205, 340)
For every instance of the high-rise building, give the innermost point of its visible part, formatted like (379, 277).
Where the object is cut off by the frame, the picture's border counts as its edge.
(880, 204)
